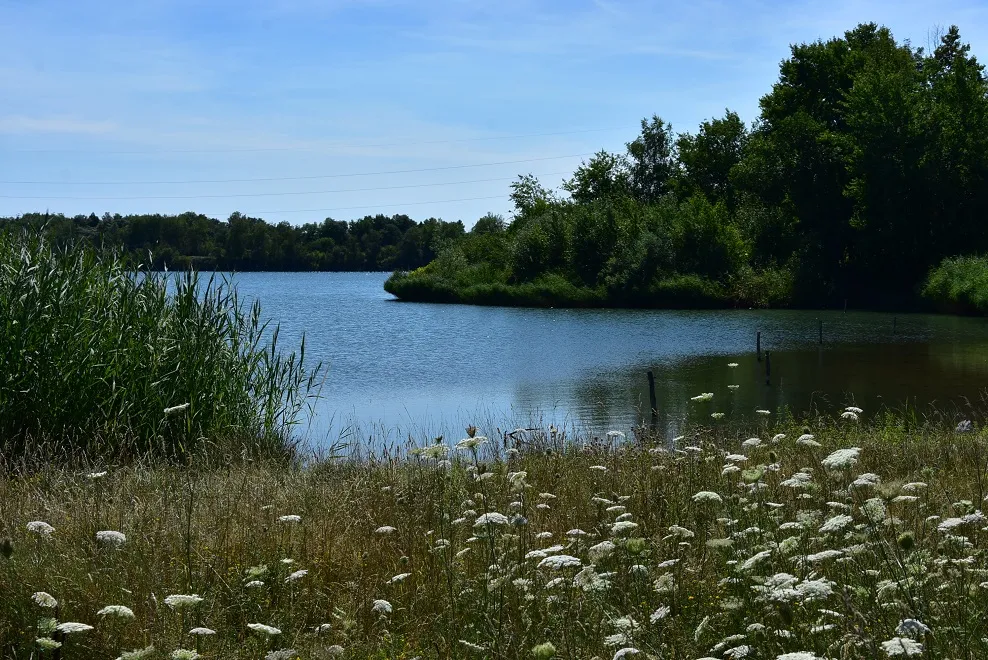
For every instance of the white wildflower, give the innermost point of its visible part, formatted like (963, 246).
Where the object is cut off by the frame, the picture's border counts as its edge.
(270, 631)
(44, 599)
(70, 627)
(559, 562)
(180, 601)
(902, 646)
(41, 528)
(707, 496)
(755, 559)
(121, 611)
(202, 632)
(912, 628)
(385, 529)
(110, 537)
(398, 578)
(601, 550)
(184, 654)
(842, 459)
(297, 575)
(706, 396)
(823, 555)
(291, 518)
(471, 443)
(381, 606)
(622, 527)
(836, 524)
(625, 652)
(659, 614)
(492, 518)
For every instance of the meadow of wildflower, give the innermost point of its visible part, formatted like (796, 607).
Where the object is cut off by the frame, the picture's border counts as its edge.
(841, 539)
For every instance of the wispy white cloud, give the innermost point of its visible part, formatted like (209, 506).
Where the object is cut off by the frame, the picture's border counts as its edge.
(21, 124)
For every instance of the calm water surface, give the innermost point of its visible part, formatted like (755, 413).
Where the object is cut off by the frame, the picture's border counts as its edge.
(396, 368)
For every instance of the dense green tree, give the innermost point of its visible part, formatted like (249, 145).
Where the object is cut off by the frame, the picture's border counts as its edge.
(652, 160)
(707, 158)
(605, 176)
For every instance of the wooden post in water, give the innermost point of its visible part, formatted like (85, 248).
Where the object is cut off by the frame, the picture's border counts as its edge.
(768, 368)
(758, 345)
(820, 329)
(651, 400)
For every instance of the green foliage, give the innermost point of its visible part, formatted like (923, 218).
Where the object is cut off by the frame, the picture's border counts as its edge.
(689, 291)
(867, 167)
(606, 176)
(959, 284)
(243, 243)
(93, 353)
(652, 161)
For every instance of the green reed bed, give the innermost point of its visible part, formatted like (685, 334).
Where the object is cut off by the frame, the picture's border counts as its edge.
(100, 359)
(843, 540)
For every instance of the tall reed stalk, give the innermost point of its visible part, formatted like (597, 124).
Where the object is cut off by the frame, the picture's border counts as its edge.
(99, 359)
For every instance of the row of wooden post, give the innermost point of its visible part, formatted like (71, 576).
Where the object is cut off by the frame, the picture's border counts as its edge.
(758, 353)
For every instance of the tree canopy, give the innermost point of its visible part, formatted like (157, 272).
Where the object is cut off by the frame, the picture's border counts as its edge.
(866, 168)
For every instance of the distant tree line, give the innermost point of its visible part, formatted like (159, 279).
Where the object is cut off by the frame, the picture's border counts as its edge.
(867, 167)
(242, 243)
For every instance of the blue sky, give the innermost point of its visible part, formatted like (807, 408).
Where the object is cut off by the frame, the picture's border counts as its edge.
(299, 110)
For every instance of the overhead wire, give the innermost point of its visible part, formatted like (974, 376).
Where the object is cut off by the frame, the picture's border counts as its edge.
(293, 178)
(312, 148)
(267, 194)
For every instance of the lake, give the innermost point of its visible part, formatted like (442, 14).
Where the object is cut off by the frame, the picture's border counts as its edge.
(397, 369)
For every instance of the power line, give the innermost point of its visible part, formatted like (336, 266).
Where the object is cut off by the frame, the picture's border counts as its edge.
(270, 194)
(368, 206)
(286, 178)
(312, 148)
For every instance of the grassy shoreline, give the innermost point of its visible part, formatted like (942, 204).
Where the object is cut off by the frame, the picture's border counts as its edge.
(698, 550)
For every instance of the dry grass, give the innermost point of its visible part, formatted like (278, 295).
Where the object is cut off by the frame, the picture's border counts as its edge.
(201, 532)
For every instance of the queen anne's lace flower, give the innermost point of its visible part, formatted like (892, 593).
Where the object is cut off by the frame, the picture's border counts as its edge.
(70, 627)
(44, 599)
(41, 528)
(559, 562)
(902, 646)
(492, 518)
(842, 459)
(110, 537)
(270, 631)
(121, 611)
(179, 601)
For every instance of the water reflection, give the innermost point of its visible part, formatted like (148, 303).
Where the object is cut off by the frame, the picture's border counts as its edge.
(430, 369)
